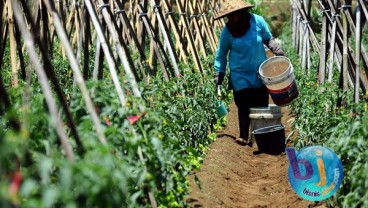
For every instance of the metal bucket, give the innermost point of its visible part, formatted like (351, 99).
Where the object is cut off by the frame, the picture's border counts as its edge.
(271, 139)
(277, 74)
(262, 117)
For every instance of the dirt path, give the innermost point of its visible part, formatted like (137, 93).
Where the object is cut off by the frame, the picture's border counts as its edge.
(232, 176)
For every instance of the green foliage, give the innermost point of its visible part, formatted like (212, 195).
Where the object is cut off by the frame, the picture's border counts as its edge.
(145, 161)
(349, 140)
(151, 157)
(319, 120)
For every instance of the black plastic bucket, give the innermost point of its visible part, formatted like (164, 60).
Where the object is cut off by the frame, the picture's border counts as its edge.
(270, 139)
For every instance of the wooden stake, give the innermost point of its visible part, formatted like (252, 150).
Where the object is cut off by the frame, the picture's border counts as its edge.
(323, 53)
(107, 52)
(345, 57)
(119, 48)
(13, 54)
(49, 70)
(76, 70)
(56, 120)
(166, 35)
(357, 53)
(189, 36)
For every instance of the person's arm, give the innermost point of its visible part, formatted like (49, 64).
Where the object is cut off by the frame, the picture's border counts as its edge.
(270, 41)
(221, 57)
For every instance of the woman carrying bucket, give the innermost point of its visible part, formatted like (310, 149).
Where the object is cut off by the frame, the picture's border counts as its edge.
(241, 44)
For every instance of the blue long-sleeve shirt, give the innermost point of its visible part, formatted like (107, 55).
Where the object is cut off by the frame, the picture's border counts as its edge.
(245, 54)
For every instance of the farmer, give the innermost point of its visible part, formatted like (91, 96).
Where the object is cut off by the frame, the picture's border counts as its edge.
(241, 44)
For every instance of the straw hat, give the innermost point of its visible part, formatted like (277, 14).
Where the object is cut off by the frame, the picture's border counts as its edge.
(232, 6)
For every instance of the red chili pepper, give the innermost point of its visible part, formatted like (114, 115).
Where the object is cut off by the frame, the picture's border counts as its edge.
(107, 121)
(15, 184)
(133, 119)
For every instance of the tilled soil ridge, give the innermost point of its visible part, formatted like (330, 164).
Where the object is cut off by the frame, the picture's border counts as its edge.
(236, 176)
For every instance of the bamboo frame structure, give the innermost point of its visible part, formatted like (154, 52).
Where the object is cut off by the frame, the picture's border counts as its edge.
(118, 31)
(334, 46)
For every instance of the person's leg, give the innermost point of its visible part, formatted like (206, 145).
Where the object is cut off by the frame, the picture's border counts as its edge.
(241, 99)
(259, 97)
(246, 99)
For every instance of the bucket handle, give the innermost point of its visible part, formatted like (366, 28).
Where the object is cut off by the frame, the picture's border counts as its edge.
(256, 122)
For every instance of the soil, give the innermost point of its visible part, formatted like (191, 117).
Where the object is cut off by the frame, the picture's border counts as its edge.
(235, 176)
(275, 68)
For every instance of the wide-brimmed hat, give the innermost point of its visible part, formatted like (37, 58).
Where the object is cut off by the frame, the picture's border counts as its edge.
(231, 6)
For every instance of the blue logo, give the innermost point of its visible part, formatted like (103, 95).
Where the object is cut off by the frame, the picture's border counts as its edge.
(315, 172)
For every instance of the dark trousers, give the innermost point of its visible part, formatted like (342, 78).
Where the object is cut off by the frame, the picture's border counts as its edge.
(249, 98)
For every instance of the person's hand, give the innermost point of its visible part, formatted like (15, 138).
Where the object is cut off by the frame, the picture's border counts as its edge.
(219, 95)
(275, 47)
(219, 78)
(280, 53)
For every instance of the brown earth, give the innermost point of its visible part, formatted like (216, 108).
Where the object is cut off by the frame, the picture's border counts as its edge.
(234, 176)
(275, 68)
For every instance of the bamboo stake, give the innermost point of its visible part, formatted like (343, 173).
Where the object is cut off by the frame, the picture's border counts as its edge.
(301, 39)
(45, 37)
(165, 31)
(305, 46)
(61, 12)
(52, 76)
(357, 53)
(154, 41)
(76, 70)
(55, 119)
(183, 53)
(3, 42)
(13, 55)
(125, 48)
(97, 60)
(20, 52)
(332, 48)
(3, 36)
(121, 52)
(2, 46)
(323, 53)
(98, 70)
(1, 17)
(208, 28)
(152, 60)
(70, 21)
(364, 7)
(189, 35)
(107, 52)
(130, 33)
(78, 33)
(141, 32)
(345, 57)
(363, 54)
(294, 25)
(197, 30)
(87, 36)
(313, 38)
(297, 33)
